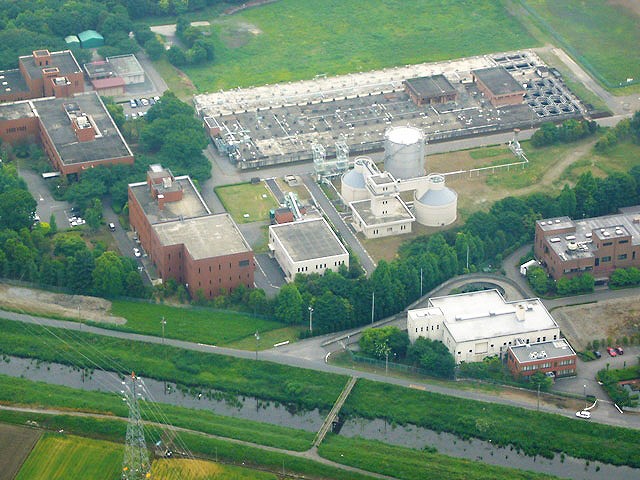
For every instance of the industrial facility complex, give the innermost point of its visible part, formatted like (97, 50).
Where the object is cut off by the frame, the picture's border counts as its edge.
(329, 118)
(480, 324)
(566, 248)
(554, 358)
(184, 240)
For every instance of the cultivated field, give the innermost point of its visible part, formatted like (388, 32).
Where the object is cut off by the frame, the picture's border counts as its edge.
(69, 457)
(294, 39)
(202, 470)
(246, 202)
(16, 444)
(602, 35)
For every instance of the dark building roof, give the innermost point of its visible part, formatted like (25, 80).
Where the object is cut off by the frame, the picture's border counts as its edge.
(498, 80)
(12, 79)
(64, 60)
(108, 143)
(433, 86)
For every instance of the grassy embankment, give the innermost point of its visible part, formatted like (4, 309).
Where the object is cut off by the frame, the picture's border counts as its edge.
(307, 389)
(546, 434)
(294, 39)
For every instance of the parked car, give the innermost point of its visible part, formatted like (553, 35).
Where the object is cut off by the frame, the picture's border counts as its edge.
(112, 227)
(156, 98)
(152, 101)
(597, 354)
(619, 350)
(612, 352)
(583, 414)
(136, 252)
(144, 102)
(132, 103)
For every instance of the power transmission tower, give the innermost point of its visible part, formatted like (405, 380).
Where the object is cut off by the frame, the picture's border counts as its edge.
(135, 465)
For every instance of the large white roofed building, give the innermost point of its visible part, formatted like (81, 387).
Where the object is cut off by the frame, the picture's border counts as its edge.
(306, 246)
(480, 324)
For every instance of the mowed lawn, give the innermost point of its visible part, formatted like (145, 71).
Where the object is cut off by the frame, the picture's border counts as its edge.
(70, 457)
(606, 35)
(202, 470)
(190, 323)
(247, 202)
(298, 39)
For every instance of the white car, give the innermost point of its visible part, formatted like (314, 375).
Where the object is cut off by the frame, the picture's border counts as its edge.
(136, 252)
(583, 414)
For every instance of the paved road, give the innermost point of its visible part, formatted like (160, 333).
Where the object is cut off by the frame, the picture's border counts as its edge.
(46, 204)
(283, 356)
(348, 236)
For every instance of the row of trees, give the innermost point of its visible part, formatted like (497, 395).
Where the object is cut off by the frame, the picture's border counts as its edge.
(198, 47)
(568, 131)
(626, 129)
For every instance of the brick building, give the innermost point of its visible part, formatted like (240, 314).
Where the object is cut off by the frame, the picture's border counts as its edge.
(554, 358)
(184, 240)
(566, 248)
(76, 132)
(430, 90)
(498, 86)
(42, 74)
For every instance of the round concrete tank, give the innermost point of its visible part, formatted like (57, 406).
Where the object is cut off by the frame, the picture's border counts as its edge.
(353, 187)
(404, 152)
(436, 205)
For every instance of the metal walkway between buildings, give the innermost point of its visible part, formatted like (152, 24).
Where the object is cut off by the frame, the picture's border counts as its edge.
(334, 412)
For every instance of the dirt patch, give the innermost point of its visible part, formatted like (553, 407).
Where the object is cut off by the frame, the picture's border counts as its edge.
(546, 400)
(236, 35)
(16, 444)
(631, 5)
(244, 6)
(614, 318)
(60, 304)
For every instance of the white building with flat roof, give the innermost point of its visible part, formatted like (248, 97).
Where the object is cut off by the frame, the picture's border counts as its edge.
(307, 246)
(480, 324)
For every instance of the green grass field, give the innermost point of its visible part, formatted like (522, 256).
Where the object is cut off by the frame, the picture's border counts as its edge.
(298, 39)
(70, 457)
(604, 37)
(189, 323)
(620, 158)
(247, 202)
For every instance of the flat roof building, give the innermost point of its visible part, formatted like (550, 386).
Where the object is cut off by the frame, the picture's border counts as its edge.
(555, 358)
(77, 133)
(306, 246)
(431, 89)
(480, 324)
(500, 88)
(599, 245)
(184, 240)
(38, 75)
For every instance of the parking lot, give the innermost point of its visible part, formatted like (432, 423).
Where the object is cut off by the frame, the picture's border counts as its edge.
(138, 107)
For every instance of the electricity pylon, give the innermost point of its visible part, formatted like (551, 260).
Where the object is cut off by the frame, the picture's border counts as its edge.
(135, 465)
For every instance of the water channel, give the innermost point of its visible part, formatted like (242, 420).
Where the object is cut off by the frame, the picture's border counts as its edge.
(252, 408)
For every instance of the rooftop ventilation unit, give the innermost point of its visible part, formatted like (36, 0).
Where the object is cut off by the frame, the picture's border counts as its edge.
(605, 233)
(533, 355)
(555, 239)
(557, 220)
(570, 237)
(588, 235)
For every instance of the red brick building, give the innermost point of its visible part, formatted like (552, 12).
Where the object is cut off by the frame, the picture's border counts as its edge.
(498, 86)
(566, 248)
(42, 74)
(555, 358)
(430, 90)
(184, 240)
(77, 133)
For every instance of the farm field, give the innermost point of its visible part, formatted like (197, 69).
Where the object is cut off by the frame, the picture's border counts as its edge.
(246, 202)
(602, 36)
(188, 323)
(203, 470)
(67, 456)
(17, 443)
(294, 39)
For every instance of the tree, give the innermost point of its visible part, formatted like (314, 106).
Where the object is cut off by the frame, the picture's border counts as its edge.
(53, 226)
(79, 271)
(289, 304)
(432, 356)
(540, 380)
(93, 214)
(393, 337)
(154, 48)
(108, 275)
(567, 201)
(176, 56)
(17, 209)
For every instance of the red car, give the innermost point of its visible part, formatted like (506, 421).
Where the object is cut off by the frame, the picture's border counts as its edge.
(612, 352)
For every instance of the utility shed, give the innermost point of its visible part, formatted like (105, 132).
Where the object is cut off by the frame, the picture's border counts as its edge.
(91, 39)
(307, 246)
(499, 86)
(431, 89)
(72, 41)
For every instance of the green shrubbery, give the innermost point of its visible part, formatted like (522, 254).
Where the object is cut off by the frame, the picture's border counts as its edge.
(618, 394)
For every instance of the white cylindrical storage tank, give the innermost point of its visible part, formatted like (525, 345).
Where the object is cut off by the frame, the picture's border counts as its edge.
(437, 205)
(353, 186)
(404, 152)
